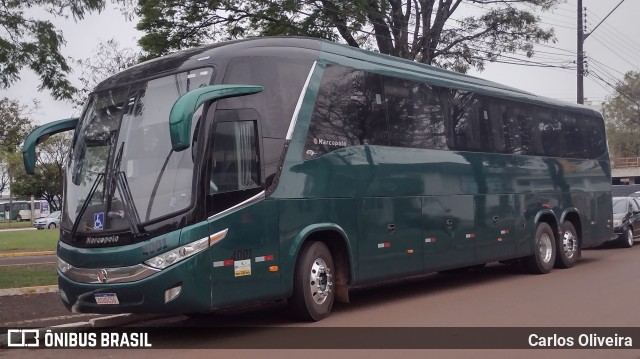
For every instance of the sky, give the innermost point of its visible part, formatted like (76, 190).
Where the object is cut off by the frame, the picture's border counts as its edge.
(612, 49)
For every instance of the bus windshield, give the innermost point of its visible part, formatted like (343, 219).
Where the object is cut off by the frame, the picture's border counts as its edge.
(122, 171)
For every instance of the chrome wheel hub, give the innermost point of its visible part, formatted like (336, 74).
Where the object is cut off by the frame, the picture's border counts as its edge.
(545, 248)
(569, 244)
(320, 281)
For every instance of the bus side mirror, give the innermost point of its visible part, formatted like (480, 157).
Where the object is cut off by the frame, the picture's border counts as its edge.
(39, 135)
(184, 108)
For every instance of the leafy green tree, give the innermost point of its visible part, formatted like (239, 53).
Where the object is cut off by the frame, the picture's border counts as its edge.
(622, 113)
(15, 124)
(47, 181)
(421, 30)
(27, 42)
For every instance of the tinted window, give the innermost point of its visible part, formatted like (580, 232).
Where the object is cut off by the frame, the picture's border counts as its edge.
(415, 114)
(234, 164)
(282, 80)
(349, 111)
(594, 132)
(547, 133)
(465, 110)
(575, 142)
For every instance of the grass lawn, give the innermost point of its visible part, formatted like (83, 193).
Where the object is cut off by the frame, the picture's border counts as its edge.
(14, 224)
(28, 275)
(17, 241)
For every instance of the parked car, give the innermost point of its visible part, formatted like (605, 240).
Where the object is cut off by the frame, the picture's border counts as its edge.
(50, 221)
(626, 220)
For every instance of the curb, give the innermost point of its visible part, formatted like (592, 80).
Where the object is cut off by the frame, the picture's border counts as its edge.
(29, 290)
(26, 254)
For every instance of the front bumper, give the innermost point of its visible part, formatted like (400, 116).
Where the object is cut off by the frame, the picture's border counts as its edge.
(146, 295)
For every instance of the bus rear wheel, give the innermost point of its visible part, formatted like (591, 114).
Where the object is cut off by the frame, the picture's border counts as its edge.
(19, 218)
(568, 249)
(313, 288)
(544, 254)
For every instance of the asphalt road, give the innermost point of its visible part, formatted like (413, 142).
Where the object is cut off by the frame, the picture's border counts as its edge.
(600, 291)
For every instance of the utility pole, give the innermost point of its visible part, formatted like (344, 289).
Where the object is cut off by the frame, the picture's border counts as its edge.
(581, 37)
(580, 59)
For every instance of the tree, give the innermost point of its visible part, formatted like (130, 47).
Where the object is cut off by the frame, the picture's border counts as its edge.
(419, 30)
(26, 42)
(47, 181)
(622, 113)
(108, 58)
(15, 124)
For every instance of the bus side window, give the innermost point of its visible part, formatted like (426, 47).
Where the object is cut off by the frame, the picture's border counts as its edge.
(575, 142)
(499, 126)
(349, 111)
(547, 133)
(463, 110)
(415, 114)
(234, 163)
(595, 132)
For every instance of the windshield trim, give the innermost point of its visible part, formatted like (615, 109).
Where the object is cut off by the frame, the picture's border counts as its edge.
(296, 111)
(249, 201)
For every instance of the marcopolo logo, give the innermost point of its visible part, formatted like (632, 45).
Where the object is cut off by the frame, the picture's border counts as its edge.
(320, 141)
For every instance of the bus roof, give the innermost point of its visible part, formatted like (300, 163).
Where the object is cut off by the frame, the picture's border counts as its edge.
(207, 54)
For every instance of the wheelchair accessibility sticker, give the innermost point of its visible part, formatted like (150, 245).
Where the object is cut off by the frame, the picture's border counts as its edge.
(98, 220)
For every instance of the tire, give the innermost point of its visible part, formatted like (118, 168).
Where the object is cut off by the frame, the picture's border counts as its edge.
(544, 254)
(627, 241)
(51, 225)
(313, 288)
(19, 218)
(568, 248)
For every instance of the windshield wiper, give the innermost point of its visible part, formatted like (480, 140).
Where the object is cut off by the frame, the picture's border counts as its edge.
(125, 191)
(93, 189)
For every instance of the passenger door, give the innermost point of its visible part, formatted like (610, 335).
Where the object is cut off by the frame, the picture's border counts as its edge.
(242, 224)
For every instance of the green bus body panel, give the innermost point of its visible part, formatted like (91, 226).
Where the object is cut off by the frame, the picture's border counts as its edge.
(184, 108)
(252, 238)
(40, 134)
(390, 237)
(399, 211)
(299, 219)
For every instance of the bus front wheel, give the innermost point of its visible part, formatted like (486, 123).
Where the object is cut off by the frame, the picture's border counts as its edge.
(313, 287)
(544, 254)
(568, 249)
(19, 218)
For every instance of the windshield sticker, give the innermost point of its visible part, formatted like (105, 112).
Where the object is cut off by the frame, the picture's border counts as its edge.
(242, 268)
(98, 220)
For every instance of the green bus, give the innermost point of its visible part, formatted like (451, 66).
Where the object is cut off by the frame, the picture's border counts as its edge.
(294, 168)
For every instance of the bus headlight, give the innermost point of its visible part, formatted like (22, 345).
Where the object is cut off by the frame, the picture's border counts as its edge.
(176, 255)
(63, 266)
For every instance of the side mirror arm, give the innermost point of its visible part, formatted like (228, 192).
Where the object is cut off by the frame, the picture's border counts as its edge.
(184, 108)
(39, 135)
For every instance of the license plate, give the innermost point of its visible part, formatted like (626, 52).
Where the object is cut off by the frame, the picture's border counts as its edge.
(106, 298)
